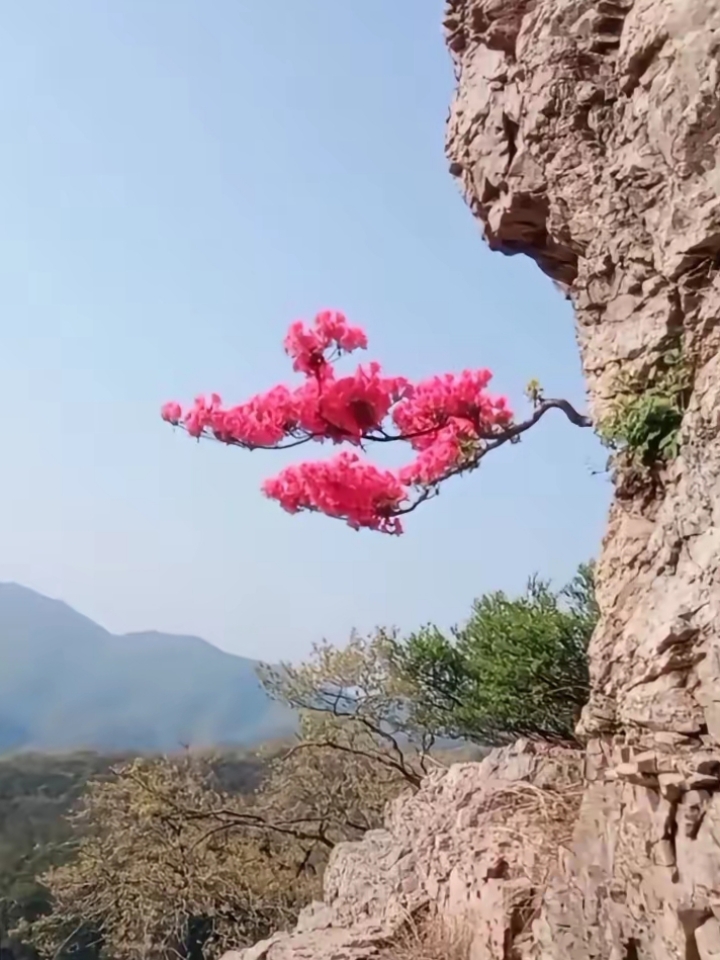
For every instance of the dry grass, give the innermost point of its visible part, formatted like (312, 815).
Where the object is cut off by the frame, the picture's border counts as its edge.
(540, 821)
(429, 938)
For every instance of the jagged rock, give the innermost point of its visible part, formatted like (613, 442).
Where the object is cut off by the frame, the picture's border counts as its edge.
(585, 135)
(476, 842)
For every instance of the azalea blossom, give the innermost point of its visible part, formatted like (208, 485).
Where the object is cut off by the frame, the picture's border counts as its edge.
(448, 422)
(345, 487)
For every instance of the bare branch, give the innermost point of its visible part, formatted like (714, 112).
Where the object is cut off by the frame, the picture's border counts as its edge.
(379, 435)
(493, 441)
(380, 758)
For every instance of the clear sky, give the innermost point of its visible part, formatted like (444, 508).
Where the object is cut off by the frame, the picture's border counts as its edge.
(180, 180)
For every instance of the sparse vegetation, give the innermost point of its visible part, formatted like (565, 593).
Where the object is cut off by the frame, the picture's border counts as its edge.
(643, 425)
(429, 937)
(359, 704)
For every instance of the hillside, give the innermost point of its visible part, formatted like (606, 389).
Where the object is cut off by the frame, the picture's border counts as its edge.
(66, 683)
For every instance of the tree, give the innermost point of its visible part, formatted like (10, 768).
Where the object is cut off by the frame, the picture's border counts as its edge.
(450, 422)
(37, 792)
(156, 872)
(355, 702)
(163, 864)
(518, 667)
(333, 781)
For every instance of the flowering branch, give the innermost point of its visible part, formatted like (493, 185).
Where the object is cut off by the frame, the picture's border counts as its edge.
(451, 422)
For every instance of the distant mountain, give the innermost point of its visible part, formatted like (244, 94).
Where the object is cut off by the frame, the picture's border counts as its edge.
(66, 683)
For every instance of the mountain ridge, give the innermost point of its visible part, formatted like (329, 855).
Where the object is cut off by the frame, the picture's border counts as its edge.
(68, 683)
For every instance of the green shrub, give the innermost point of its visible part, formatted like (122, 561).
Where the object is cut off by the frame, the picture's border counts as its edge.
(518, 667)
(645, 419)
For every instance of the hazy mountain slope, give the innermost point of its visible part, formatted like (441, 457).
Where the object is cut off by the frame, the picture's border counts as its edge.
(66, 683)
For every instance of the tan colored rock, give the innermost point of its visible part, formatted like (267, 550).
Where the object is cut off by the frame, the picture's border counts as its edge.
(707, 938)
(477, 842)
(586, 135)
(672, 785)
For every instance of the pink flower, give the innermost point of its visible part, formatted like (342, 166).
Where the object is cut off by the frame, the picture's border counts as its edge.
(344, 487)
(307, 345)
(359, 404)
(447, 420)
(171, 412)
(448, 449)
(435, 401)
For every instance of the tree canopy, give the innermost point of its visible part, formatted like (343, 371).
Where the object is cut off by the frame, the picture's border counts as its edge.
(156, 870)
(517, 667)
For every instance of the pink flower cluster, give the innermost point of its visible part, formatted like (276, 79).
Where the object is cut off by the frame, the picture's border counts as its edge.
(445, 420)
(308, 346)
(345, 487)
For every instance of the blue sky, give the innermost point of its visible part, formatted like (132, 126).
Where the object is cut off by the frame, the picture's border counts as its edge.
(180, 180)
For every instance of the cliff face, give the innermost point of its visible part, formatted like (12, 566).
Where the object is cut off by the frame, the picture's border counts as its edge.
(585, 134)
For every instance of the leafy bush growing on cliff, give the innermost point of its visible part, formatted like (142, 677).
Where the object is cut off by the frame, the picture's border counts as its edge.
(644, 422)
(517, 667)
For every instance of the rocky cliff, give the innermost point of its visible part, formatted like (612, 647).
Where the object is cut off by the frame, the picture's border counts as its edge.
(585, 135)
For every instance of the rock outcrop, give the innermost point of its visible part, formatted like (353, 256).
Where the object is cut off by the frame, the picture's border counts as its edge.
(586, 135)
(475, 845)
